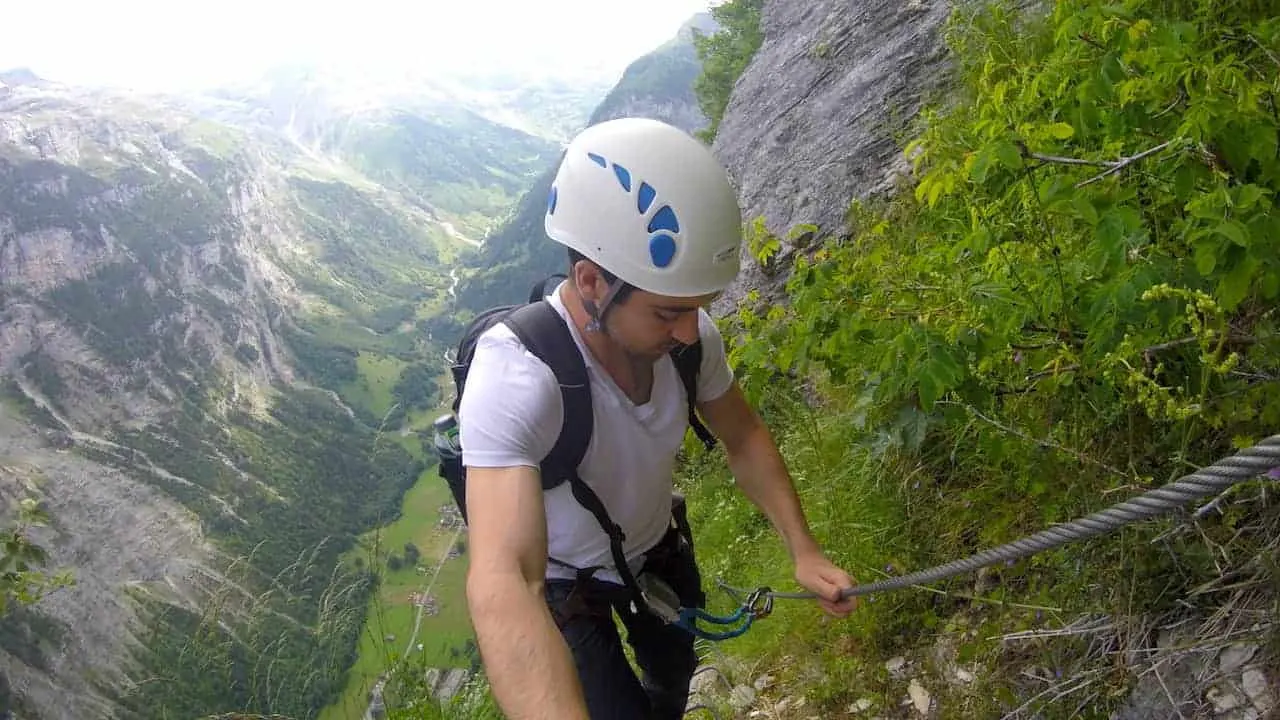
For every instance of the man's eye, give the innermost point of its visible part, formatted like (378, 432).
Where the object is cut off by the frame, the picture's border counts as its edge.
(666, 317)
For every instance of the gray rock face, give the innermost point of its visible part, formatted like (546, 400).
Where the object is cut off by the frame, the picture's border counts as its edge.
(59, 227)
(116, 533)
(811, 122)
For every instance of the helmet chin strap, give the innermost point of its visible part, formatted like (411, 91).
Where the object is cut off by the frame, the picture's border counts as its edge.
(597, 312)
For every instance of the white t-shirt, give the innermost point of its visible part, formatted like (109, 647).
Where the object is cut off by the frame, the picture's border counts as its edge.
(510, 415)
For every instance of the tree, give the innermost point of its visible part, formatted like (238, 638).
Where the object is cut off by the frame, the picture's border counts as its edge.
(724, 56)
(411, 553)
(417, 387)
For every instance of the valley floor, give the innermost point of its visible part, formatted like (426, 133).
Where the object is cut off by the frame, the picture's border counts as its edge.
(436, 630)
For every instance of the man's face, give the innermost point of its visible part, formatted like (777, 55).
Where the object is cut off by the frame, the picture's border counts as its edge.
(648, 326)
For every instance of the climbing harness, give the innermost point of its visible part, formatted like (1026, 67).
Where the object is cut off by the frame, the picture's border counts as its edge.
(1262, 458)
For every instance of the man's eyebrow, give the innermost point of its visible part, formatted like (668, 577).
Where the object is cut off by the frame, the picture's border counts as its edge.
(676, 308)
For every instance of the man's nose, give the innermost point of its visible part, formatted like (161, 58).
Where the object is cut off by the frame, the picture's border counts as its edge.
(686, 329)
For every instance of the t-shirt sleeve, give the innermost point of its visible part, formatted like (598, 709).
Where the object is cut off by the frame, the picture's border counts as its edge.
(510, 411)
(715, 377)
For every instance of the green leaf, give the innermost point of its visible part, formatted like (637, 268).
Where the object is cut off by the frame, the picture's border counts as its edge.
(1060, 130)
(1059, 190)
(1264, 233)
(1084, 207)
(1246, 196)
(930, 387)
(978, 167)
(1233, 231)
(1262, 143)
(980, 240)
(1207, 206)
(1269, 285)
(1235, 146)
(1206, 256)
(1109, 249)
(1008, 155)
(948, 367)
(922, 188)
(935, 192)
(1234, 286)
(1184, 181)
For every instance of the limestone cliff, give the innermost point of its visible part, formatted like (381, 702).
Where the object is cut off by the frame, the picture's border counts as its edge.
(811, 122)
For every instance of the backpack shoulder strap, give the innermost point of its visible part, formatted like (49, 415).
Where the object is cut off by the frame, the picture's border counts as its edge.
(545, 334)
(688, 361)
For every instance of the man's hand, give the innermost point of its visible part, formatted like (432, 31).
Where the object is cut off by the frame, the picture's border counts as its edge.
(821, 577)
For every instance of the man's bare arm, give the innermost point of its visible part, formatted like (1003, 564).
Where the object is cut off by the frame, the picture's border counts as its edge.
(528, 664)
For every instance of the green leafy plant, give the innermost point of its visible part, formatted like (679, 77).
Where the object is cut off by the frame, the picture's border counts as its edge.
(1073, 294)
(1050, 202)
(23, 579)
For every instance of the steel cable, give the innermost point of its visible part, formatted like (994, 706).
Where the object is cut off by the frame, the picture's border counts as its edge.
(1244, 465)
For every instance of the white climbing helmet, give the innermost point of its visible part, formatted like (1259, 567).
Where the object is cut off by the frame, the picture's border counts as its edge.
(650, 204)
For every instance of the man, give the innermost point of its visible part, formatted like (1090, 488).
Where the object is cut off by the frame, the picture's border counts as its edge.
(653, 230)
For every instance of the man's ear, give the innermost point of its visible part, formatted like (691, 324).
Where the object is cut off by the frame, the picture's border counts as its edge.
(590, 283)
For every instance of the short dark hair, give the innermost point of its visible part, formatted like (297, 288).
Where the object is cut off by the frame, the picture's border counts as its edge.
(623, 292)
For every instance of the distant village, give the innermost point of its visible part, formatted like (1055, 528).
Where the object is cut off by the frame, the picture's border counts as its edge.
(451, 517)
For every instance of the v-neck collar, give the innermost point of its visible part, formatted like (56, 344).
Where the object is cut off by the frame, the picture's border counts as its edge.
(642, 411)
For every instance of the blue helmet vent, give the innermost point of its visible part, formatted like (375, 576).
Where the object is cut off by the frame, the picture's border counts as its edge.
(662, 248)
(664, 219)
(645, 198)
(663, 226)
(624, 177)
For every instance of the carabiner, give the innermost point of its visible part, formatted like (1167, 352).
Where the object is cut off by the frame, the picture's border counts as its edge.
(760, 602)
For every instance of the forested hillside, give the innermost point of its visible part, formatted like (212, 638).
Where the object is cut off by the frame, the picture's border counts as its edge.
(212, 331)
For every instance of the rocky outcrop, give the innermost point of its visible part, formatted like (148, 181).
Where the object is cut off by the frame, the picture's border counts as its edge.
(659, 85)
(810, 124)
(117, 534)
(87, 202)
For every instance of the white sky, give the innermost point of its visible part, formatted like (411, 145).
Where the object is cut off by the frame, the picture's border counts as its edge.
(166, 44)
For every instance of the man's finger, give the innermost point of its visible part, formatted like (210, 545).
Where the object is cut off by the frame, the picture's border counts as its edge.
(840, 610)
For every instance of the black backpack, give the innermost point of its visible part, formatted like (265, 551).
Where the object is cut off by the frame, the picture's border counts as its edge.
(544, 333)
